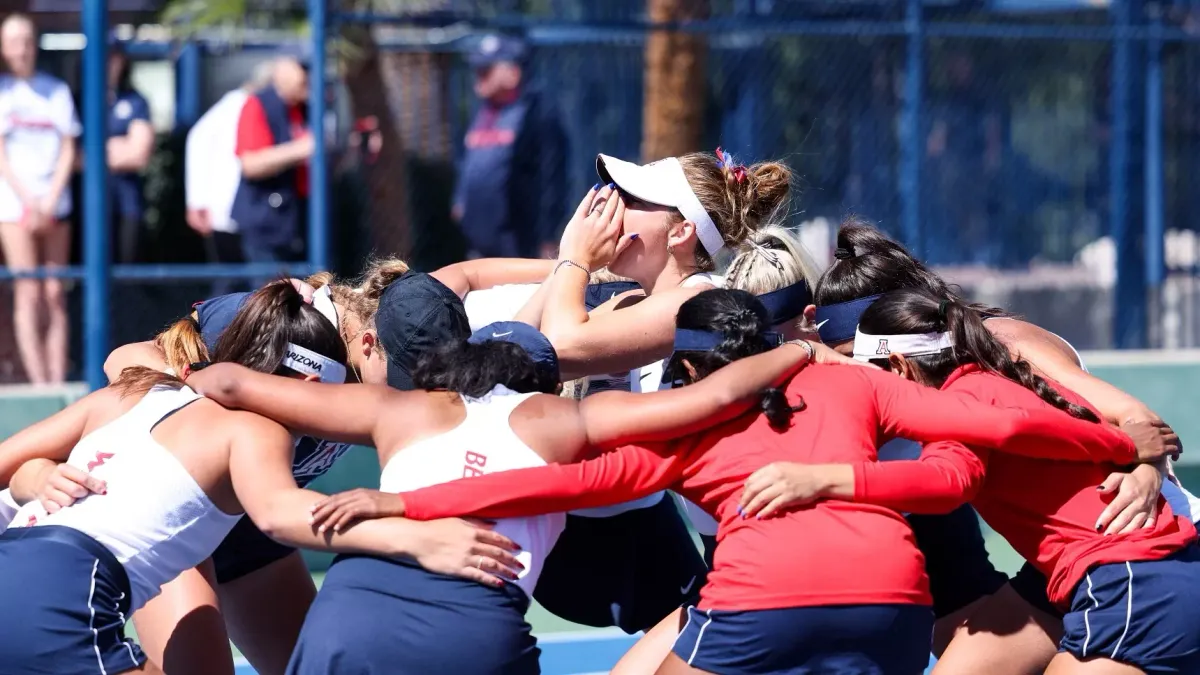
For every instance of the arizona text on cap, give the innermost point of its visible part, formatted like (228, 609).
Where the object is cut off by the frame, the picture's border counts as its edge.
(663, 183)
(867, 347)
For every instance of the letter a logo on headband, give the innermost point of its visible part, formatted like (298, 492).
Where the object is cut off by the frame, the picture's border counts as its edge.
(867, 347)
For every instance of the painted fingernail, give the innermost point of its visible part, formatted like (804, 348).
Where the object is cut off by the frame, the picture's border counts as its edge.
(596, 186)
(1100, 488)
(634, 236)
(612, 185)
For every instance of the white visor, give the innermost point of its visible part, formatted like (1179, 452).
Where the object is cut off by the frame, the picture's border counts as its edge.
(323, 302)
(309, 362)
(663, 183)
(867, 347)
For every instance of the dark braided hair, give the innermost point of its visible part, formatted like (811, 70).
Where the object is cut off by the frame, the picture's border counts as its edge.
(868, 263)
(744, 322)
(920, 311)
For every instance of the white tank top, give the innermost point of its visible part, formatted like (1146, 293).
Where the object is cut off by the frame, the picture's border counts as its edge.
(154, 519)
(483, 443)
(499, 303)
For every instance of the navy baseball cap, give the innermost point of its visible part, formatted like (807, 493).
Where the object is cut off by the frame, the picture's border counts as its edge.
(497, 49)
(525, 336)
(416, 314)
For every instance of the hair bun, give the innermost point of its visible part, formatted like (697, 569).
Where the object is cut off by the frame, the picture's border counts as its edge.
(843, 253)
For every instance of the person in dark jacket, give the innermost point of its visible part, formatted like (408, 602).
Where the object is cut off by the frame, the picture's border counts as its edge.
(512, 181)
(130, 144)
(274, 145)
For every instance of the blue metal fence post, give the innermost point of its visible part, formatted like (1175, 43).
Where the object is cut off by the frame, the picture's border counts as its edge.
(318, 204)
(1154, 227)
(95, 192)
(188, 65)
(912, 146)
(1129, 298)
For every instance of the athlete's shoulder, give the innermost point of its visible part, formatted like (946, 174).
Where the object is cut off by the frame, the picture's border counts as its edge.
(243, 425)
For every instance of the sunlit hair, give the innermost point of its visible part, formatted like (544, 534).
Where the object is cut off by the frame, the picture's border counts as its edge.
(269, 320)
(737, 201)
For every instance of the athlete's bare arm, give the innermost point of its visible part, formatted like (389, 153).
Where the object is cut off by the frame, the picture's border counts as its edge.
(477, 275)
(260, 467)
(54, 437)
(1049, 354)
(348, 413)
(134, 354)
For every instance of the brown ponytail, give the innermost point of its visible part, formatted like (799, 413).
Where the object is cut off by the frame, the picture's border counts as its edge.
(269, 319)
(919, 311)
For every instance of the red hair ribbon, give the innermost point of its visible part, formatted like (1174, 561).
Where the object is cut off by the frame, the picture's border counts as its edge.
(725, 161)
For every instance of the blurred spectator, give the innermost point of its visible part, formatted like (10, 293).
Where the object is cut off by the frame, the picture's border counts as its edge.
(274, 145)
(511, 186)
(130, 144)
(212, 174)
(38, 127)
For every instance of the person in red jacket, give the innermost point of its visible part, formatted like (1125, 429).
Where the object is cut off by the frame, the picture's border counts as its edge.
(1131, 600)
(773, 602)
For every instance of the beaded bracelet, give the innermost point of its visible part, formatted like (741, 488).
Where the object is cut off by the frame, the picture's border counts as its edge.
(812, 353)
(571, 263)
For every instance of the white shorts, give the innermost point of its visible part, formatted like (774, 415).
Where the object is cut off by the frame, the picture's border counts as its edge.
(11, 208)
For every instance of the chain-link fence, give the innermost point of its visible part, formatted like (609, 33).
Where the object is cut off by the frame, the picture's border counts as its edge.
(999, 170)
(981, 134)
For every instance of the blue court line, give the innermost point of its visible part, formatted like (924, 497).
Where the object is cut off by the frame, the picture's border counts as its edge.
(570, 653)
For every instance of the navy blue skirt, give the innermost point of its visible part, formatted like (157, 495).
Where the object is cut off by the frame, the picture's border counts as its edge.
(64, 600)
(374, 616)
(830, 640)
(628, 570)
(1145, 614)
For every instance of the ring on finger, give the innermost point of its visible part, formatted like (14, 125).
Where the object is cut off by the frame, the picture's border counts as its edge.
(479, 563)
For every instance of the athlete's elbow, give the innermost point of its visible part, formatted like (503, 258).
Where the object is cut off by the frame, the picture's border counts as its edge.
(273, 522)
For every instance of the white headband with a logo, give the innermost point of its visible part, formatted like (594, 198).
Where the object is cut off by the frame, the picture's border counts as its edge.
(309, 362)
(867, 347)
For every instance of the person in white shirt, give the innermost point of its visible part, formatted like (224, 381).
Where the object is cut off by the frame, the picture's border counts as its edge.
(38, 128)
(212, 172)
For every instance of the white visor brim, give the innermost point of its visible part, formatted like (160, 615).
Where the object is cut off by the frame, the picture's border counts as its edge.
(663, 183)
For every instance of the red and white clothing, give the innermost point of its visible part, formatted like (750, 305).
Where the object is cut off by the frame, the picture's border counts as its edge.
(481, 444)
(1045, 508)
(212, 170)
(36, 114)
(828, 554)
(254, 133)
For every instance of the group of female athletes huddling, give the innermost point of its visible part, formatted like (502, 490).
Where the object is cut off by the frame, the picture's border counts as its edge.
(565, 401)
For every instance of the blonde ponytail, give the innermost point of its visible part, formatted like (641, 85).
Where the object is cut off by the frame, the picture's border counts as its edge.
(182, 344)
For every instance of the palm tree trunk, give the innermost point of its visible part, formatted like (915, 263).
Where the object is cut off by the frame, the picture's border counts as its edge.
(675, 82)
(387, 216)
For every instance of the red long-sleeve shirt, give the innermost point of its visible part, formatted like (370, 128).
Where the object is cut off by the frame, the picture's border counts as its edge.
(834, 553)
(1046, 509)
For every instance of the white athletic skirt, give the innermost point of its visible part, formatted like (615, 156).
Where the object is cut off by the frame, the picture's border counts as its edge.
(11, 208)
